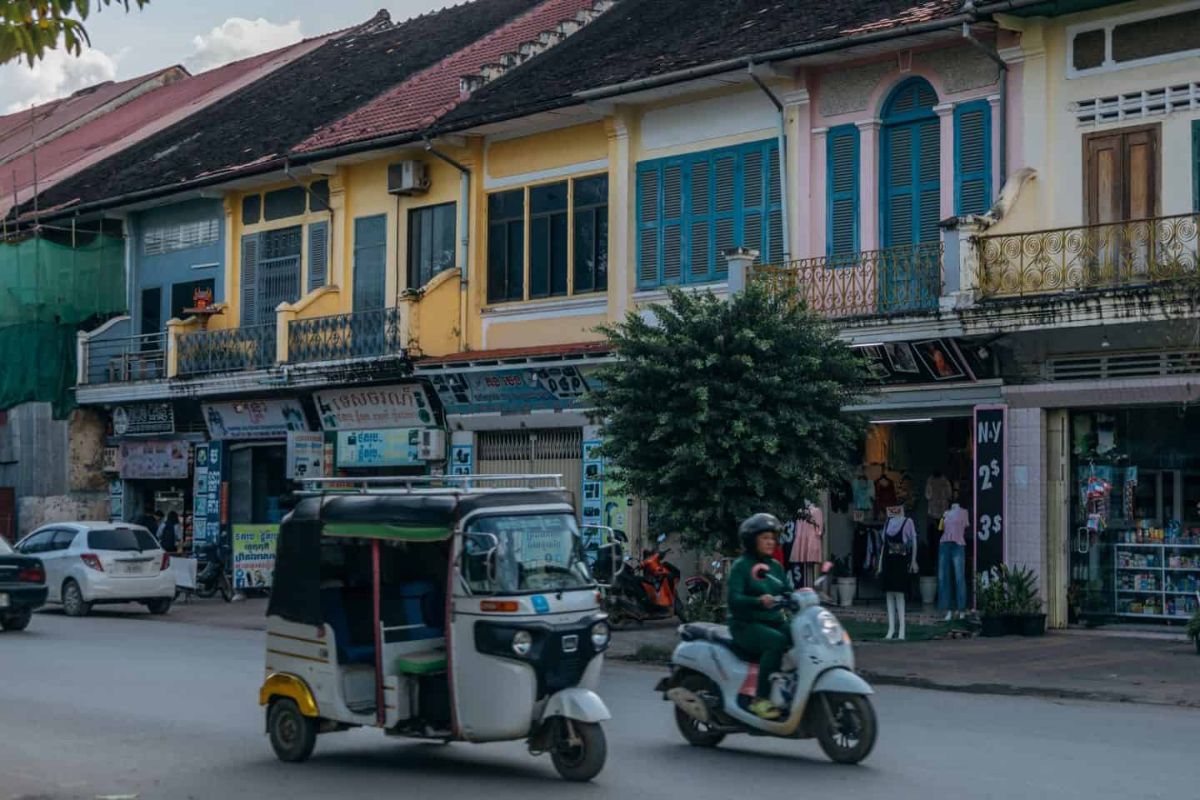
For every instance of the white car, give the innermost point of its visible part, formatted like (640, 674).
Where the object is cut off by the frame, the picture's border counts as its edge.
(102, 562)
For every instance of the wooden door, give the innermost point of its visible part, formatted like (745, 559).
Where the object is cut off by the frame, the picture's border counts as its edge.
(1120, 183)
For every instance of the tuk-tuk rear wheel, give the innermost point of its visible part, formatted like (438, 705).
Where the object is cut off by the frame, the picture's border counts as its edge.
(579, 757)
(293, 735)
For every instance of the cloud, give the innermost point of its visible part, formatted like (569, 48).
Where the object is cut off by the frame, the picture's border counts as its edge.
(57, 75)
(238, 38)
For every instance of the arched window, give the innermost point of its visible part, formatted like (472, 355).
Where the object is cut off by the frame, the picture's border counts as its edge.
(910, 180)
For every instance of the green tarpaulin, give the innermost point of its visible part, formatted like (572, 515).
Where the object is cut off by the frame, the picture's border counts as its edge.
(39, 365)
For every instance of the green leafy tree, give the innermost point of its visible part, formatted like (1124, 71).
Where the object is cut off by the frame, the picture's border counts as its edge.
(722, 409)
(28, 28)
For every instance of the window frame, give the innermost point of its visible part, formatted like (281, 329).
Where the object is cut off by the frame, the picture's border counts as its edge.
(1108, 25)
(593, 209)
(414, 271)
(531, 217)
(507, 223)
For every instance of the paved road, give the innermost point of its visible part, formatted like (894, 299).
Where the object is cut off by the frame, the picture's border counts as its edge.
(126, 704)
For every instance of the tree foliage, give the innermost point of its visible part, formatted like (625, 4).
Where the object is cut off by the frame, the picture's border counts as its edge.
(28, 28)
(723, 409)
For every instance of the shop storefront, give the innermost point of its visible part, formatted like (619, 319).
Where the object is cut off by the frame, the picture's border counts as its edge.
(379, 431)
(149, 463)
(1134, 513)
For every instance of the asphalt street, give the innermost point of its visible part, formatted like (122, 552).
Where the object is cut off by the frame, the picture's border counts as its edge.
(123, 704)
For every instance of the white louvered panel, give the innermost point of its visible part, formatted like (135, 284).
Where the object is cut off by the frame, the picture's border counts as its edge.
(1139, 105)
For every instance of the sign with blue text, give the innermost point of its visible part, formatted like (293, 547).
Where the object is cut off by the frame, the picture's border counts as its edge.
(396, 447)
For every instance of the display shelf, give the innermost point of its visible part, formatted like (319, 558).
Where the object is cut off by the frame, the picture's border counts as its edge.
(1158, 572)
(1179, 569)
(1158, 545)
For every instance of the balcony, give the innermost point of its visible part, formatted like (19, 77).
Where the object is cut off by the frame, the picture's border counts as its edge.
(124, 359)
(874, 283)
(1141, 252)
(363, 334)
(226, 350)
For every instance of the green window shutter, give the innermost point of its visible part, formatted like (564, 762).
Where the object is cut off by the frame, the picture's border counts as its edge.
(724, 207)
(899, 227)
(249, 278)
(929, 182)
(672, 222)
(776, 249)
(648, 227)
(972, 158)
(700, 251)
(318, 254)
(842, 187)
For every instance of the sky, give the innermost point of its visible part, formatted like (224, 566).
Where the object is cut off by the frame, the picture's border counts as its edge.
(198, 35)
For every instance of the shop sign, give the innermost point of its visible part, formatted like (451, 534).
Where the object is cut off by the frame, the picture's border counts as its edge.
(210, 494)
(462, 459)
(143, 418)
(991, 437)
(601, 503)
(254, 555)
(116, 501)
(111, 459)
(510, 390)
(305, 455)
(371, 408)
(154, 460)
(254, 419)
(396, 447)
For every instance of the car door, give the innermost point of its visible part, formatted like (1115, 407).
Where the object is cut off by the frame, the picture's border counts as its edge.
(58, 558)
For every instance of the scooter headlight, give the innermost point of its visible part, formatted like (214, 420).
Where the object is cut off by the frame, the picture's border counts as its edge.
(522, 643)
(600, 635)
(830, 628)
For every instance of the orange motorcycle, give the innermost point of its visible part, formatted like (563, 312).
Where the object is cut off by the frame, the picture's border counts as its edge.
(649, 591)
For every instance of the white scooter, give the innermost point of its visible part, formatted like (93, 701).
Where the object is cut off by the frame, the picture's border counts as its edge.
(712, 684)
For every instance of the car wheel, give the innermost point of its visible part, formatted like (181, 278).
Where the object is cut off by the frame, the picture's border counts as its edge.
(293, 735)
(159, 605)
(18, 621)
(73, 602)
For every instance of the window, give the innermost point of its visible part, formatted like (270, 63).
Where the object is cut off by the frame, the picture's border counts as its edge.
(318, 254)
(162, 239)
(63, 540)
(591, 234)
(183, 295)
(283, 203)
(506, 246)
(151, 311)
(1089, 49)
(38, 543)
(842, 182)
(548, 240)
(370, 262)
(1134, 40)
(270, 273)
(430, 242)
(319, 199)
(693, 207)
(124, 540)
(251, 209)
(972, 158)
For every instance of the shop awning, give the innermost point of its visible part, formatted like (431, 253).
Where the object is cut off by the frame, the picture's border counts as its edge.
(930, 401)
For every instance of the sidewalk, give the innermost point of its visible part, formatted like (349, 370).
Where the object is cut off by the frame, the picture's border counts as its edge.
(1069, 665)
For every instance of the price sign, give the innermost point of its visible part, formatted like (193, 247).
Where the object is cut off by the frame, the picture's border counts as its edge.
(991, 437)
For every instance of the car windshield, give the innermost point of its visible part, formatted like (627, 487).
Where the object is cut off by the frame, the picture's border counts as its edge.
(122, 539)
(534, 553)
(5, 550)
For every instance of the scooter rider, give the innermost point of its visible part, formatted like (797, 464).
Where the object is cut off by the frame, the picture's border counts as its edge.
(755, 621)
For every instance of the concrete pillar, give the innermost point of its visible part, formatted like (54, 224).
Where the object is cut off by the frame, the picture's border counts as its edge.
(961, 263)
(739, 259)
(283, 320)
(798, 112)
(816, 219)
(945, 113)
(868, 184)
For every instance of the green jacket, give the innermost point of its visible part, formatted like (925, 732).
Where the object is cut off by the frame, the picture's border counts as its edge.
(745, 593)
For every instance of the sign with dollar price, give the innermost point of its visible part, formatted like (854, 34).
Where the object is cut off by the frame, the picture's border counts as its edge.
(991, 439)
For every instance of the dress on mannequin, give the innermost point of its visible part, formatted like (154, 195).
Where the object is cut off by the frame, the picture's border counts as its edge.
(885, 494)
(898, 560)
(806, 547)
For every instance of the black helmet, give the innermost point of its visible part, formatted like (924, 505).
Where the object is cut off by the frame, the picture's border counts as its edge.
(750, 529)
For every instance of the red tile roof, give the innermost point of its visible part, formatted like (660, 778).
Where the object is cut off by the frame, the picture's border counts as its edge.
(576, 349)
(429, 94)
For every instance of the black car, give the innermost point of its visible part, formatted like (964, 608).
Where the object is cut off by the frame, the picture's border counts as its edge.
(22, 588)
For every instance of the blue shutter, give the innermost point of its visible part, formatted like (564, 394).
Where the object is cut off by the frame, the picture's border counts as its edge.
(724, 207)
(929, 186)
(776, 247)
(318, 254)
(972, 158)
(249, 276)
(700, 219)
(753, 196)
(1196, 165)
(648, 179)
(672, 221)
(370, 262)
(842, 186)
(899, 214)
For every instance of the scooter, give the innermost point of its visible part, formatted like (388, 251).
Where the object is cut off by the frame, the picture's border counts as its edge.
(651, 594)
(213, 576)
(713, 682)
(706, 592)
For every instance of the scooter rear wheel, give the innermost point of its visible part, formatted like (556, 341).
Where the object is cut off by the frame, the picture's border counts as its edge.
(846, 731)
(695, 732)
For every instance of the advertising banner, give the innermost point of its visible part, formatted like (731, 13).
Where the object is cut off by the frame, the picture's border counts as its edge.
(305, 455)
(387, 448)
(154, 460)
(372, 408)
(254, 555)
(210, 492)
(510, 390)
(111, 459)
(140, 419)
(254, 419)
(991, 437)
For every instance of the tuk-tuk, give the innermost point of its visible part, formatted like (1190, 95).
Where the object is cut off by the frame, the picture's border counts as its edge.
(450, 608)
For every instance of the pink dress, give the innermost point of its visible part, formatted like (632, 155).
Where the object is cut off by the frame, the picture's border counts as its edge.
(806, 547)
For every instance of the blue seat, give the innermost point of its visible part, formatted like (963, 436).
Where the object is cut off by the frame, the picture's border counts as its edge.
(333, 610)
(419, 605)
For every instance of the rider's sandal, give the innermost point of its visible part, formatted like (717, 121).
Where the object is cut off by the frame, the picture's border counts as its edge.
(765, 709)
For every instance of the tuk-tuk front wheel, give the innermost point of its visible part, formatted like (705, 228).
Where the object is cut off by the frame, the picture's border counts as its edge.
(579, 750)
(293, 735)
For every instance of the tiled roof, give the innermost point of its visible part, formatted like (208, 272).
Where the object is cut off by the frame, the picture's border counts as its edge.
(261, 123)
(429, 94)
(138, 119)
(646, 38)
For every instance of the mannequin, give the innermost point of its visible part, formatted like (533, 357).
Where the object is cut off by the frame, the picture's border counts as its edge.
(952, 560)
(806, 547)
(897, 561)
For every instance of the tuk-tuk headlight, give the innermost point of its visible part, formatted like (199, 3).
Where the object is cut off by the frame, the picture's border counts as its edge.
(600, 635)
(830, 628)
(522, 643)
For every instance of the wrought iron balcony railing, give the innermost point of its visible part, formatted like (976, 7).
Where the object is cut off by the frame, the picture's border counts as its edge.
(363, 334)
(1138, 252)
(899, 280)
(226, 350)
(125, 359)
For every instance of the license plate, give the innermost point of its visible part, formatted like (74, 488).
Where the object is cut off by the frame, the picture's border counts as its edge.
(3, 599)
(132, 569)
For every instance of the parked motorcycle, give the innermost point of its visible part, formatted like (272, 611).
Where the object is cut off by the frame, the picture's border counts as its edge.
(713, 682)
(212, 575)
(706, 593)
(645, 591)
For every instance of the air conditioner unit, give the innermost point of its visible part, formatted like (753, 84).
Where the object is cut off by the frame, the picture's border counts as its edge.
(432, 446)
(408, 177)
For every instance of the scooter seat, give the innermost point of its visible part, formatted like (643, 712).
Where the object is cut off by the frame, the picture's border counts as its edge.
(715, 634)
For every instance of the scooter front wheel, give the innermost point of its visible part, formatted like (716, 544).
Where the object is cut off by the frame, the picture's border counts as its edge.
(847, 727)
(580, 750)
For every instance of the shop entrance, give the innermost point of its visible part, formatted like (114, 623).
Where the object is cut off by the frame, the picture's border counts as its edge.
(537, 451)
(1135, 515)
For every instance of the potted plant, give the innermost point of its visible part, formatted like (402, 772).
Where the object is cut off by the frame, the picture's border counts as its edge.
(1193, 627)
(1024, 602)
(844, 581)
(993, 604)
(929, 589)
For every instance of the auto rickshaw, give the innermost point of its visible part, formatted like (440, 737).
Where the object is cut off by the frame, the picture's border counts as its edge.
(450, 608)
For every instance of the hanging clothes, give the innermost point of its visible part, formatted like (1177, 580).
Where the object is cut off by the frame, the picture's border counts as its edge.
(841, 495)
(938, 491)
(806, 547)
(864, 494)
(885, 494)
(870, 539)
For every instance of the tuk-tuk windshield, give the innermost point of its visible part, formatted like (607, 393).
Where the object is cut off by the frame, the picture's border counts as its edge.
(533, 553)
